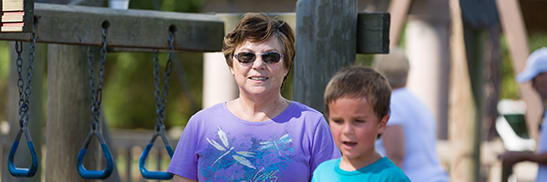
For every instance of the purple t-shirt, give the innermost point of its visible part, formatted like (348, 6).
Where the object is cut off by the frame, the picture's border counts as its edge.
(218, 146)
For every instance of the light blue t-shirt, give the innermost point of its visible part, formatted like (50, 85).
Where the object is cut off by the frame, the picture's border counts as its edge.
(216, 146)
(383, 170)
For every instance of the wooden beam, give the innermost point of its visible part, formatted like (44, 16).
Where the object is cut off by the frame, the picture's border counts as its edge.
(373, 33)
(130, 30)
(81, 25)
(372, 29)
(399, 11)
(462, 112)
(325, 42)
(517, 41)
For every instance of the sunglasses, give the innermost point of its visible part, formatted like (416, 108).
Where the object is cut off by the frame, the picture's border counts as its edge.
(249, 57)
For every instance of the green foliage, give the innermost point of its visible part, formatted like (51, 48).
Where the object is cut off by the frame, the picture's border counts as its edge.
(4, 61)
(509, 87)
(129, 91)
(537, 40)
(129, 86)
(364, 59)
(4, 73)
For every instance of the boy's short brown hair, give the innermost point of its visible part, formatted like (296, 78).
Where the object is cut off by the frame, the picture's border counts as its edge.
(360, 82)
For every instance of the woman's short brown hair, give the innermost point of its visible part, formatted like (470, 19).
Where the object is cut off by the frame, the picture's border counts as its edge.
(360, 82)
(258, 27)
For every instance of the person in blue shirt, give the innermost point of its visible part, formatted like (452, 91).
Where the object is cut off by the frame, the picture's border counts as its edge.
(357, 108)
(535, 72)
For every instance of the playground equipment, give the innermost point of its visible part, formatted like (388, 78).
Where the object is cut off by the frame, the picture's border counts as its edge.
(161, 103)
(25, 89)
(130, 30)
(96, 99)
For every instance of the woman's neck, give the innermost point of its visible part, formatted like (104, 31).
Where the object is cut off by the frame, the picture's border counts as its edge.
(259, 108)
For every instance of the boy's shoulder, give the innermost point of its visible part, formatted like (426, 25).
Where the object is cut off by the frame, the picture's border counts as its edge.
(326, 171)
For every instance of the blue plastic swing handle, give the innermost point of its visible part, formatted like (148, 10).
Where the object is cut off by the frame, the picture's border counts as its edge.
(95, 174)
(153, 174)
(22, 172)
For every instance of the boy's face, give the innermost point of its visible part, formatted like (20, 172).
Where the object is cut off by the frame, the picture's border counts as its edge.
(354, 127)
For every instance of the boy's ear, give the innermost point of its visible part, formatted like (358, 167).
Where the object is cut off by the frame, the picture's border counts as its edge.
(383, 123)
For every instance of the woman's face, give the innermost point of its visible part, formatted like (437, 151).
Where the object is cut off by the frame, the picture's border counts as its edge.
(263, 76)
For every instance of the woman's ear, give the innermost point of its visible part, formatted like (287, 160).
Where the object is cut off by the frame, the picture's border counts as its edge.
(231, 70)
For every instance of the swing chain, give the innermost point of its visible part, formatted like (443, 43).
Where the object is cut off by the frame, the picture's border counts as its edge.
(25, 89)
(161, 102)
(161, 95)
(96, 97)
(96, 91)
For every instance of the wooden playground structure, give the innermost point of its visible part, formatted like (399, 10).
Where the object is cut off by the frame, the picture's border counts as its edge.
(69, 30)
(328, 38)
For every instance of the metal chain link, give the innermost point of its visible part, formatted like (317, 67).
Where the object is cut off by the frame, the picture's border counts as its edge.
(96, 91)
(25, 89)
(161, 95)
(23, 108)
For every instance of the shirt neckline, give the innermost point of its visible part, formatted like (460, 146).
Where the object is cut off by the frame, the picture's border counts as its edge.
(356, 172)
(286, 111)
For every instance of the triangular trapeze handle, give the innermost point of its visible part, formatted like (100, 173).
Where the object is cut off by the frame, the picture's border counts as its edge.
(22, 172)
(95, 174)
(142, 161)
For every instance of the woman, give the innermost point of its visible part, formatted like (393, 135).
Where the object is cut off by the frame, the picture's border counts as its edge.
(260, 136)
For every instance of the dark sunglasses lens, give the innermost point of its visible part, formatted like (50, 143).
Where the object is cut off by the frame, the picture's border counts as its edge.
(246, 57)
(271, 57)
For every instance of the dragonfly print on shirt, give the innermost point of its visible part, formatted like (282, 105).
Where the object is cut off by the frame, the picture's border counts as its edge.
(239, 156)
(278, 145)
(246, 158)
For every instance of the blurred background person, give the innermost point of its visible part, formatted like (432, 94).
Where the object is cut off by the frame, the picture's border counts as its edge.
(409, 138)
(535, 71)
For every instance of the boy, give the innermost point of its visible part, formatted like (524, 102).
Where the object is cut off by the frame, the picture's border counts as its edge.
(357, 105)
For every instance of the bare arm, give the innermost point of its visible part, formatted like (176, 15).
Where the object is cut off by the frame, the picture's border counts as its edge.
(178, 178)
(511, 158)
(394, 143)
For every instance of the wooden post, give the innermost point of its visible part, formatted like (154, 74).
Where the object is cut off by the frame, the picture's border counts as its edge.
(216, 74)
(325, 42)
(493, 78)
(517, 40)
(69, 115)
(427, 46)
(462, 116)
(22, 157)
(398, 10)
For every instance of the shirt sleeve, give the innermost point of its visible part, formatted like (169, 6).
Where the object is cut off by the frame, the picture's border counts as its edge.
(185, 159)
(323, 147)
(315, 177)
